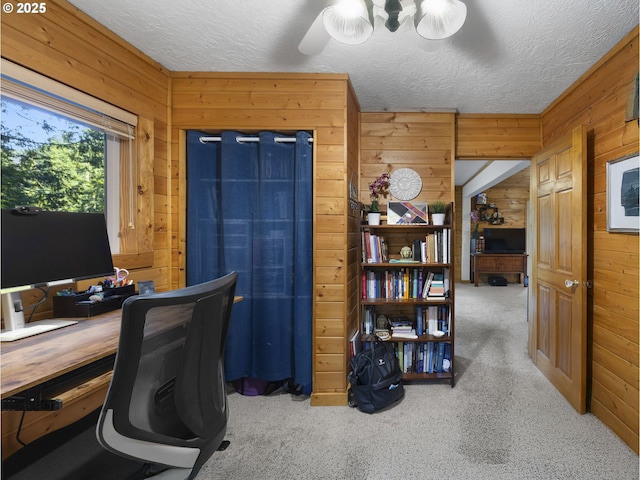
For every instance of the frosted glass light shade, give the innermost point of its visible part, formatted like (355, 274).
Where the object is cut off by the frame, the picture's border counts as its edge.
(348, 22)
(438, 19)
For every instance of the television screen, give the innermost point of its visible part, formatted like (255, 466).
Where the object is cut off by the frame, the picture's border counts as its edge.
(505, 240)
(40, 247)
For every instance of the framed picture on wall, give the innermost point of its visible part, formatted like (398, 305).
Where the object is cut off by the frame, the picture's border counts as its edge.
(623, 194)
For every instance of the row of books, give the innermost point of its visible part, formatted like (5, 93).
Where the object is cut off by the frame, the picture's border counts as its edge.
(374, 248)
(436, 284)
(404, 283)
(435, 248)
(433, 318)
(428, 357)
(429, 320)
(402, 327)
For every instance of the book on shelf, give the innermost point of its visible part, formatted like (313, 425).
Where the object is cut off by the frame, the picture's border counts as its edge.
(400, 321)
(428, 319)
(374, 248)
(366, 247)
(436, 289)
(402, 327)
(419, 321)
(406, 336)
(369, 320)
(355, 346)
(435, 248)
(397, 284)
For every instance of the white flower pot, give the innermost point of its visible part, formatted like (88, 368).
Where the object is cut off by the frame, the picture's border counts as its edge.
(437, 218)
(373, 218)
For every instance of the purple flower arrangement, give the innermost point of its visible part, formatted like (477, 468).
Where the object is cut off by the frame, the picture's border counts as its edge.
(380, 186)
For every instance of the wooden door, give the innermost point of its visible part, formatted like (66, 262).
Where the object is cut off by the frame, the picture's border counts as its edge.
(557, 314)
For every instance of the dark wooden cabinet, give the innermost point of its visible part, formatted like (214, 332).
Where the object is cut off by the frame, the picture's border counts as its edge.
(499, 263)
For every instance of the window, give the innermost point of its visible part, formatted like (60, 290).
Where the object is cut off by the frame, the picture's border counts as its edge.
(61, 155)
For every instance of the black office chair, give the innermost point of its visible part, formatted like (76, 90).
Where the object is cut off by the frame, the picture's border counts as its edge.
(167, 403)
(166, 409)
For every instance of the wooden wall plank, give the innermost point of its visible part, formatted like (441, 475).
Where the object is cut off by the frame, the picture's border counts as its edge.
(497, 136)
(389, 141)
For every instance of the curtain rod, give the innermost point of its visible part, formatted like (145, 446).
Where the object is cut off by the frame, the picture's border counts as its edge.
(252, 139)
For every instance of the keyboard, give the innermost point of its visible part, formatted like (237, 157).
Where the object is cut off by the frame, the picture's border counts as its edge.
(34, 328)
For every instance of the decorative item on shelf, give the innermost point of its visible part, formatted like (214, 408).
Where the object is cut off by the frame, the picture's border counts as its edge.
(495, 218)
(489, 213)
(373, 218)
(405, 184)
(475, 219)
(404, 213)
(438, 210)
(380, 186)
(406, 252)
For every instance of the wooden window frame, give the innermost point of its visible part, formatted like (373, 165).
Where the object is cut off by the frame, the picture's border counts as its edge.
(136, 173)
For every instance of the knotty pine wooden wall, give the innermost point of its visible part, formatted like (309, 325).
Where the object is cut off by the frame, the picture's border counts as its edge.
(326, 105)
(497, 136)
(68, 46)
(511, 197)
(424, 142)
(599, 101)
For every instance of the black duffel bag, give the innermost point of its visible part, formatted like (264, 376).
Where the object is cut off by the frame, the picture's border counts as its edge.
(375, 378)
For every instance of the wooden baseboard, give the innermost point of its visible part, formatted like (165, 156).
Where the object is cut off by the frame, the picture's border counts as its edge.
(334, 399)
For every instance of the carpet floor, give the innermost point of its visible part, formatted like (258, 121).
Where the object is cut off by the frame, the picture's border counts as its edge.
(502, 420)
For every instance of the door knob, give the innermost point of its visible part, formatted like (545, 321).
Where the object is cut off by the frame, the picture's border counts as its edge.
(571, 283)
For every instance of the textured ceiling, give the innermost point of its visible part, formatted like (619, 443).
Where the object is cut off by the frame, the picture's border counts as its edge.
(511, 56)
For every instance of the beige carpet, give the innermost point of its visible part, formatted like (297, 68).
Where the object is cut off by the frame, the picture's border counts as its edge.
(502, 420)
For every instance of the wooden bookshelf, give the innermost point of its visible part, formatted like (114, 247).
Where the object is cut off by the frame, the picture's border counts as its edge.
(396, 289)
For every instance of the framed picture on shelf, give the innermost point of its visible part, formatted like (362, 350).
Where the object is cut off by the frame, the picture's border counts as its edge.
(623, 194)
(407, 213)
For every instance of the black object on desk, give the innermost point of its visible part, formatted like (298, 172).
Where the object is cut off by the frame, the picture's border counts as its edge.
(79, 305)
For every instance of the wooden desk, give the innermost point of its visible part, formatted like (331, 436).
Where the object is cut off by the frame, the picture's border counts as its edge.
(34, 360)
(499, 263)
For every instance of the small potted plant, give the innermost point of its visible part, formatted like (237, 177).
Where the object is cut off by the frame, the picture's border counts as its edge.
(380, 186)
(438, 210)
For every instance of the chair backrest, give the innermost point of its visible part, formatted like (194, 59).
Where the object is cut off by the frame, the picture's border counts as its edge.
(167, 402)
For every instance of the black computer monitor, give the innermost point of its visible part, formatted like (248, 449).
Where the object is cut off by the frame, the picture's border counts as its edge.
(44, 248)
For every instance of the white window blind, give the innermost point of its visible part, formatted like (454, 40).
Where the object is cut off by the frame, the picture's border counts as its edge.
(34, 89)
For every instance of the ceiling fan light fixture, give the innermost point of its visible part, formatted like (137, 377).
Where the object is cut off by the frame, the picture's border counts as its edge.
(348, 21)
(393, 9)
(438, 19)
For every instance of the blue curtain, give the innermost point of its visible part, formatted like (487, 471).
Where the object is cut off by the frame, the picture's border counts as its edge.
(249, 209)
